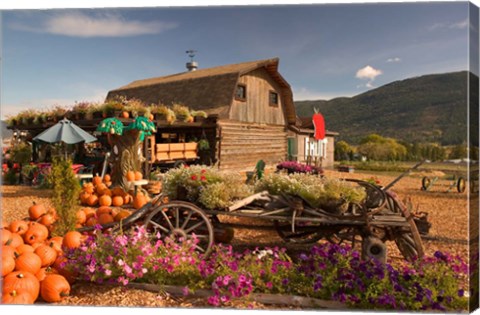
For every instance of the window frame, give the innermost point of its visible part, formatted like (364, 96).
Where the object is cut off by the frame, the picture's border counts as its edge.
(238, 98)
(277, 98)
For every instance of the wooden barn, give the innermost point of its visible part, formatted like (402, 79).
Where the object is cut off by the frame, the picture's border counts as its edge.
(250, 104)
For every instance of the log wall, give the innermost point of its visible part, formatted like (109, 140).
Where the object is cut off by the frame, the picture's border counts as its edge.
(243, 144)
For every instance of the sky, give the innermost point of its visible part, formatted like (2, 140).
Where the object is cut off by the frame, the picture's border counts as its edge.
(62, 56)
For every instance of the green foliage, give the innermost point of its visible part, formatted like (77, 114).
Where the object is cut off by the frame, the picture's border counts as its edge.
(66, 190)
(204, 185)
(10, 177)
(343, 151)
(460, 151)
(378, 148)
(317, 191)
(21, 153)
(430, 108)
(203, 145)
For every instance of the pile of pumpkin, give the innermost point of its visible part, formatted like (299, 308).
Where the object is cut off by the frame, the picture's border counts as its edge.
(99, 193)
(32, 259)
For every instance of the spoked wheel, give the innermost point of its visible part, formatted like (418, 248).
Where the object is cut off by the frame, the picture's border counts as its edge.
(181, 220)
(461, 185)
(302, 235)
(407, 238)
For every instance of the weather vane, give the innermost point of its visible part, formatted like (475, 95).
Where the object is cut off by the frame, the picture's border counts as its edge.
(191, 54)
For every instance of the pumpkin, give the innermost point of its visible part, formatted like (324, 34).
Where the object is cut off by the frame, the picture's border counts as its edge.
(8, 250)
(117, 201)
(151, 117)
(92, 200)
(36, 211)
(105, 218)
(15, 240)
(59, 265)
(8, 265)
(89, 212)
(29, 262)
(109, 184)
(107, 178)
(138, 175)
(81, 217)
(125, 114)
(72, 239)
(13, 297)
(104, 209)
(22, 283)
(47, 219)
(100, 189)
(105, 201)
(47, 254)
(23, 249)
(55, 243)
(43, 272)
(122, 215)
(139, 201)
(19, 227)
(36, 233)
(89, 188)
(118, 191)
(84, 197)
(54, 288)
(96, 180)
(92, 221)
(130, 176)
(127, 199)
(5, 236)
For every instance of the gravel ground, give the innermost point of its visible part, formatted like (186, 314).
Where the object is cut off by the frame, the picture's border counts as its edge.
(447, 212)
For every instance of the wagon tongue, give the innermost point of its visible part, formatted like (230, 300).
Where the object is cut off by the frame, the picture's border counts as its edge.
(403, 175)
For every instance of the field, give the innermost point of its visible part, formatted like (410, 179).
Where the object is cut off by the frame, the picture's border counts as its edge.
(448, 213)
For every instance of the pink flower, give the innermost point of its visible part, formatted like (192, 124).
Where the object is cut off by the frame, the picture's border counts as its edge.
(194, 177)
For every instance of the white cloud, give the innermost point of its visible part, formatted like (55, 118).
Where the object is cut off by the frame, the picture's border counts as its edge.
(368, 72)
(304, 94)
(459, 25)
(396, 59)
(106, 25)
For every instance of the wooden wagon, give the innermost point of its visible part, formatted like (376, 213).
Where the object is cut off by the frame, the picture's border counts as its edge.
(379, 218)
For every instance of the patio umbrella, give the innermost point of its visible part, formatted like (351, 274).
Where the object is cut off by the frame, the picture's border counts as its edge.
(65, 131)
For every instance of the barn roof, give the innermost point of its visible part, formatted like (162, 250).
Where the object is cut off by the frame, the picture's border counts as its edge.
(209, 89)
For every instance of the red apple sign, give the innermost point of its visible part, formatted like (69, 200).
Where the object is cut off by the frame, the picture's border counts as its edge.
(319, 126)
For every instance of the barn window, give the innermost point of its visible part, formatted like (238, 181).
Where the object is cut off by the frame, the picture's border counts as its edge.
(273, 98)
(241, 92)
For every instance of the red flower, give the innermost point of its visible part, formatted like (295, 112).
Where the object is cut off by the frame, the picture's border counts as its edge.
(203, 171)
(194, 177)
(203, 178)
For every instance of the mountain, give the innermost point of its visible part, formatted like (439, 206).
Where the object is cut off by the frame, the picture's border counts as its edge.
(426, 109)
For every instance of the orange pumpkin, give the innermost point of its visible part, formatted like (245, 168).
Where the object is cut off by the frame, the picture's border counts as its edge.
(105, 218)
(97, 180)
(5, 236)
(84, 197)
(8, 265)
(13, 297)
(8, 250)
(89, 188)
(127, 199)
(47, 254)
(139, 201)
(92, 221)
(29, 262)
(130, 176)
(89, 212)
(105, 201)
(118, 191)
(36, 233)
(19, 227)
(122, 215)
(21, 283)
(43, 272)
(107, 178)
(117, 201)
(15, 240)
(125, 114)
(72, 239)
(138, 175)
(36, 211)
(55, 243)
(23, 249)
(81, 217)
(100, 189)
(47, 219)
(92, 200)
(54, 288)
(59, 265)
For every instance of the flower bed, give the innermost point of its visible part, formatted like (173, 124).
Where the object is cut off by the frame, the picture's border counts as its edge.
(294, 167)
(328, 271)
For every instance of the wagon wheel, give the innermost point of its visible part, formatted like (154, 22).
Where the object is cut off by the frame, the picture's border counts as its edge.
(182, 220)
(407, 238)
(461, 185)
(426, 183)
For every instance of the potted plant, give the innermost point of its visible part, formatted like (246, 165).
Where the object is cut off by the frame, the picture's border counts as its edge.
(80, 110)
(58, 112)
(182, 113)
(94, 111)
(40, 118)
(112, 109)
(199, 115)
(136, 108)
(203, 147)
